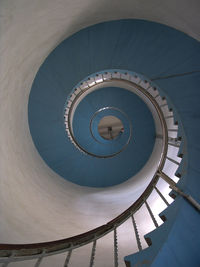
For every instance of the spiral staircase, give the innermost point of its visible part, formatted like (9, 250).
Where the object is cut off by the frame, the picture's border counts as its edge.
(144, 73)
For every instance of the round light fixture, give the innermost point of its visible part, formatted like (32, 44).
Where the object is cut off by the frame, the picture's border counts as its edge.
(110, 127)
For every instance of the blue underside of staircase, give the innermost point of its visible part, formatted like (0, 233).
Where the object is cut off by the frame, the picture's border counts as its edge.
(177, 241)
(172, 60)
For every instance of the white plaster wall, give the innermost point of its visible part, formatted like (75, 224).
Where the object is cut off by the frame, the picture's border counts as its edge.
(35, 204)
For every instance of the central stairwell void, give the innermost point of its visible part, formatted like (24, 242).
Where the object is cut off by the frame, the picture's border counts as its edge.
(105, 113)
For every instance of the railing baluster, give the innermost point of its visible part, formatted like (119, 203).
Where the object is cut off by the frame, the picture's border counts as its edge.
(38, 261)
(136, 233)
(166, 178)
(174, 187)
(93, 253)
(174, 161)
(115, 249)
(175, 145)
(40, 258)
(9, 260)
(173, 130)
(161, 195)
(151, 214)
(68, 258)
(163, 105)
(169, 117)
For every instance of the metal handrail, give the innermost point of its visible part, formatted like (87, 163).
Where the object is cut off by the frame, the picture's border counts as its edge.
(112, 79)
(78, 240)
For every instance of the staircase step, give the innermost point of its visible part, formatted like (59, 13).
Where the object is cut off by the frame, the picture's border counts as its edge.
(155, 238)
